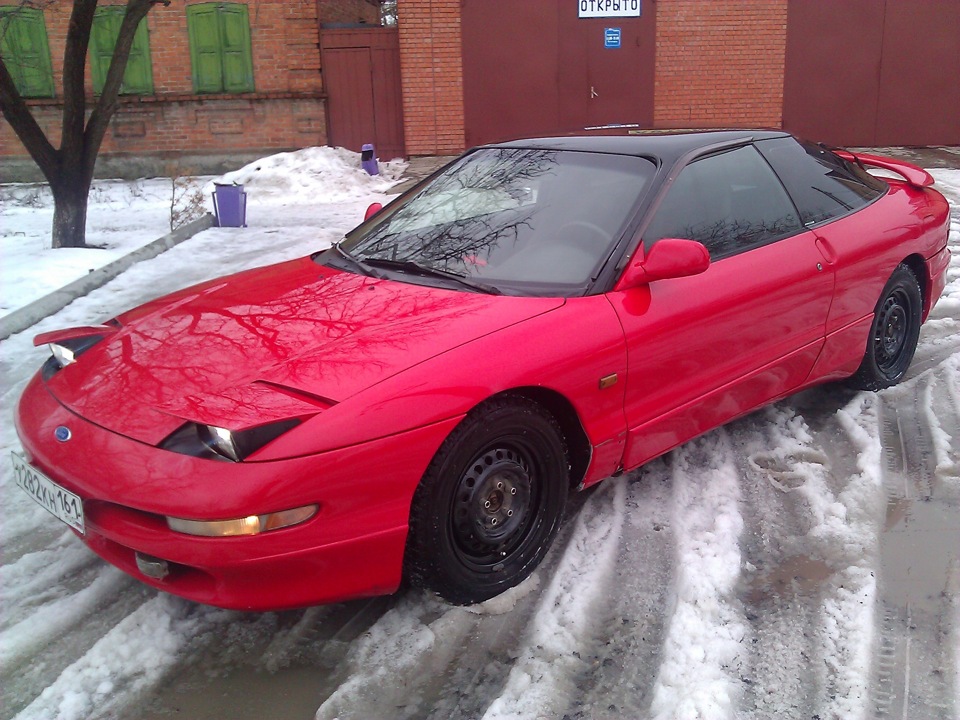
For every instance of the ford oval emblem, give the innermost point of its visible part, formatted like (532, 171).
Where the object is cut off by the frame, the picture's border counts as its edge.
(62, 433)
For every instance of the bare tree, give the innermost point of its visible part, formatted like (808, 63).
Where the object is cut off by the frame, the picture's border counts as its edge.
(69, 167)
(388, 12)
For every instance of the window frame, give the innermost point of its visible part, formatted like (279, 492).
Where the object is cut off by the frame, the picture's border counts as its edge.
(139, 52)
(32, 20)
(707, 154)
(202, 50)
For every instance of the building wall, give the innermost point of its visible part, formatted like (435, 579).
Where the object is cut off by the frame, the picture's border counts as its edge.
(286, 111)
(432, 76)
(720, 63)
(340, 12)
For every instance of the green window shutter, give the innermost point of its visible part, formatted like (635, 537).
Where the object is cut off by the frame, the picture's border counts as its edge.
(138, 75)
(204, 31)
(23, 45)
(235, 37)
(220, 47)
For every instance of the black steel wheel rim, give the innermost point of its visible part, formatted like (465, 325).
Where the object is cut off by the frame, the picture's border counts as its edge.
(495, 506)
(893, 328)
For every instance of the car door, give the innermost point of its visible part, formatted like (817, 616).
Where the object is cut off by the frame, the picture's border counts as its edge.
(707, 348)
(831, 196)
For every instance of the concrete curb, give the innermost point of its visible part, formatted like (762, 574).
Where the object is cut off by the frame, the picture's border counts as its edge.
(19, 320)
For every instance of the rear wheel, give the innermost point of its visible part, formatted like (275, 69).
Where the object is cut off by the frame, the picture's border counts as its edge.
(893, 334)
(490, 503)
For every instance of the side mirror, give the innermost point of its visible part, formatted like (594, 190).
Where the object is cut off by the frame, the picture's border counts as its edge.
(668, 258)
(372, 210)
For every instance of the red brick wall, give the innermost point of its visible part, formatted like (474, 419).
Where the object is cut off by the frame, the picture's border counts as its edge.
(432, 76)
(720, 63)
(286, 111)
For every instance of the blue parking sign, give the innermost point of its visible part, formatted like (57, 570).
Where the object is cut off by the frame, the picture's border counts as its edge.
(611, 37)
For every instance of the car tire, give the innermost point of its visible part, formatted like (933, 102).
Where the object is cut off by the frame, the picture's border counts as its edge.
(893, 334)
(490, 503)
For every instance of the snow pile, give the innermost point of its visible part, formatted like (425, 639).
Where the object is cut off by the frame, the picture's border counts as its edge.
(311, 175)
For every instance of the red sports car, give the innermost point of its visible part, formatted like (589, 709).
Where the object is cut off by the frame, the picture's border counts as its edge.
(418, 401)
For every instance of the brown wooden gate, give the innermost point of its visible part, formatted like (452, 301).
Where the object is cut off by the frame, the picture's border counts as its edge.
(361, 75)
(536, 68)
(873, 72)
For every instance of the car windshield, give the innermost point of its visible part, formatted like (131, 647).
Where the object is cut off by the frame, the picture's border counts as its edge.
(515, 220)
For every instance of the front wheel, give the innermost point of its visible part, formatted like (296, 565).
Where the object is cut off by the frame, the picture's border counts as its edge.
(893, 334)
(490, 503)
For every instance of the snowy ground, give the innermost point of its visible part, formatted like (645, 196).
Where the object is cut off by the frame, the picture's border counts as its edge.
(801, 562)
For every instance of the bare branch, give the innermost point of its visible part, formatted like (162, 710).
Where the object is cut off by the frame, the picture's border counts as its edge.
(17, 113)
(109, 97)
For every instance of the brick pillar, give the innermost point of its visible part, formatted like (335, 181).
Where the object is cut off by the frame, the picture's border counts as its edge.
(720, 63)
(432, 76)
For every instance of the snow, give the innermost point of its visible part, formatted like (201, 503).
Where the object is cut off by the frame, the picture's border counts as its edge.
(123, 216)
(536, 650)
(699, 672)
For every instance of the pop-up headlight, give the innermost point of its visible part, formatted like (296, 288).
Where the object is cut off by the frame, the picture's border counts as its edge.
(69, 344)
(217, 443)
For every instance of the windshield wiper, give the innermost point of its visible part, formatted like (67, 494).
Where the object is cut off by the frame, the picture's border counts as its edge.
(357, 264)
(415, 268)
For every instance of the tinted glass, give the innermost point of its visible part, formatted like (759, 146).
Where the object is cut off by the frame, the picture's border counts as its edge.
(730, 202)
(525, 220)
(823, 185)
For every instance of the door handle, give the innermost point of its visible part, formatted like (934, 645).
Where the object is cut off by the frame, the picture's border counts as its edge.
(593, 93)
(826, 250)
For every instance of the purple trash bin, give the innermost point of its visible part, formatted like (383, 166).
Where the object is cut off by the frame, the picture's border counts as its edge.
(230, 205)
(368, 159)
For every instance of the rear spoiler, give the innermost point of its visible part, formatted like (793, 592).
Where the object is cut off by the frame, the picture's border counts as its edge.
(918, 177)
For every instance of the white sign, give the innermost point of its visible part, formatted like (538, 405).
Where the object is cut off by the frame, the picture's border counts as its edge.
(608, 8)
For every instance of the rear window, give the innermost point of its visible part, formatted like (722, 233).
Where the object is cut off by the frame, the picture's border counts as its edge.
(822, 185)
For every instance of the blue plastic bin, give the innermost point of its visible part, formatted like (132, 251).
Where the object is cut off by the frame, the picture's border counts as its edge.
(230, 205)
(368, 159)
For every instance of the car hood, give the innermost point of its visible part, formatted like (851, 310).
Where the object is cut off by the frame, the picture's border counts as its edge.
(287, 340)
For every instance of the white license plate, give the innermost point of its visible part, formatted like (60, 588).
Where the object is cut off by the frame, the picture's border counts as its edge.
(56, 500)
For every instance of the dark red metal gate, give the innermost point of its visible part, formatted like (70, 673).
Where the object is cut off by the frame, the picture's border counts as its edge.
(873, 72)
(361, 75)
(535, 68)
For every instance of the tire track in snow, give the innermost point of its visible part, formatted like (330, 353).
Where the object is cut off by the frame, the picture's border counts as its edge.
(544, 679)
(127, 661)
(702, 653)
(425, 658)
(54, 619)
(781, 592)
(630, 637)
(918, 550)
(844, 509)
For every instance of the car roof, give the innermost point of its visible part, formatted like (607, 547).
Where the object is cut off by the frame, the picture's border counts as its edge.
(666, 145)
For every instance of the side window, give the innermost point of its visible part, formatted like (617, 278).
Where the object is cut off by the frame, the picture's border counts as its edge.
(24, 48)
(823, 185)
(138, 76)
(220, 48)
(730, 202)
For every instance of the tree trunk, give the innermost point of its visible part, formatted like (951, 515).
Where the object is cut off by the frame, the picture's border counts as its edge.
(70, 213)
(69, 168)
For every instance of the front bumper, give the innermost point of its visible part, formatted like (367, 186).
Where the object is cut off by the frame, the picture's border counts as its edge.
(352, 548)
